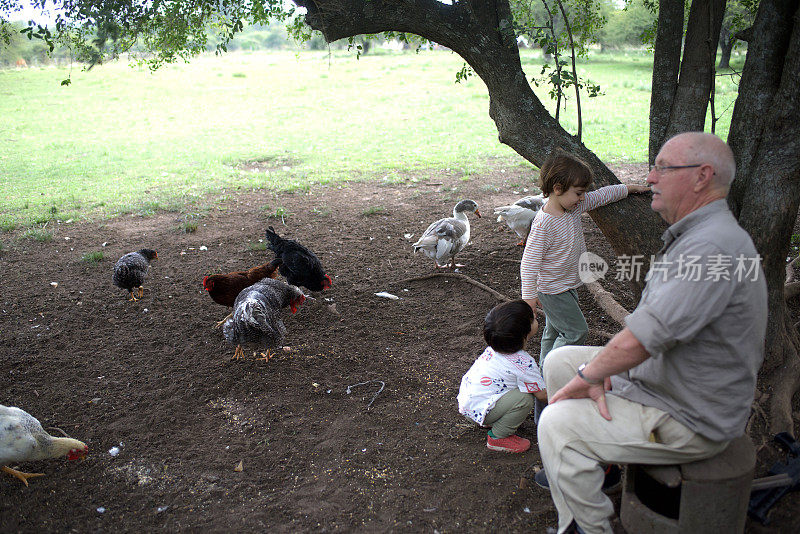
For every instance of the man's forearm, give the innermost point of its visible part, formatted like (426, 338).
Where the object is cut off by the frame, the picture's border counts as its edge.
(623, 352)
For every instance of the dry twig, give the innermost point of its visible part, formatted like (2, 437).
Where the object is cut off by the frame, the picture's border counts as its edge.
(56, 428)
(465, 278)
(381, 382)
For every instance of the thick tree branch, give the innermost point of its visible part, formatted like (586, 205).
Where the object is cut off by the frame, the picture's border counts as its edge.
(761, 77)
(771, 184)
(666, 65)
(607, 302)
(523, 123)
(696, 79)
(446, 24)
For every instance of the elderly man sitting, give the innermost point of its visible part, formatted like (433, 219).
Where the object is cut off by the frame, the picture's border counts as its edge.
(676, 384)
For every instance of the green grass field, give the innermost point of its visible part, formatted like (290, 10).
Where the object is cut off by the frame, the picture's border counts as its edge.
(124, 140)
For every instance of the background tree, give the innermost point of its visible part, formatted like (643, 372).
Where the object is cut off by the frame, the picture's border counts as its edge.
(738, 16)
(765, 128)
(14, 46)
(632, 26)
(765, 139)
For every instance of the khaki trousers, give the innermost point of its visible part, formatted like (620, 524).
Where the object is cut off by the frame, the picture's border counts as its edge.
(574, 440)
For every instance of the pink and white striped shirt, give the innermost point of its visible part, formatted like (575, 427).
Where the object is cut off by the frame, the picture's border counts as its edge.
(550, 261)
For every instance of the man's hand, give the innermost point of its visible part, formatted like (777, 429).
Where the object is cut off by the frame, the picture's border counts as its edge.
(623, 352)
(633, 188)
(577, 388)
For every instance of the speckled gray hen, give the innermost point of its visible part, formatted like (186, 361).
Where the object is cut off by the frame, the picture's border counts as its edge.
(131, 270)
(256, 320)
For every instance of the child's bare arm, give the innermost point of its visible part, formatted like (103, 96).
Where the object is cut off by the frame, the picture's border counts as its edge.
(541, 395)
(535, 305)
(635, 188)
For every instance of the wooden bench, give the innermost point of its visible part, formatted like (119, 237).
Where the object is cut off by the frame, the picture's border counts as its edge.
(707, 496)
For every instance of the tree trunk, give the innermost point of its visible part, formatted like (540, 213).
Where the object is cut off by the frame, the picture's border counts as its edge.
(726, 41)
(765, 137)
(696, 80)
(481, 33)
(761, 77)
(666, 66)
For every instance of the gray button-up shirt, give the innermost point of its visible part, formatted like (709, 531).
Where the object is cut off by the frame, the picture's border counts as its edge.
(702, 318)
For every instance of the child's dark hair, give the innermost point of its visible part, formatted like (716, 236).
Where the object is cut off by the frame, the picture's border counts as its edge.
(566, 171)
(507, 325)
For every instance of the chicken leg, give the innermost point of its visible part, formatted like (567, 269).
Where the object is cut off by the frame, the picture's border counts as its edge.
(141, 291)
(20, 475)
(238, 354)
(266, 356)
(453, 265)
(132, 297)
(220, 323)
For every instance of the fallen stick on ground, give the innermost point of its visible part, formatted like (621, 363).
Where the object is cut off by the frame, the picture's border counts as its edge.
(603, 298)
(467, 279)
(604, 334)
(381, 382)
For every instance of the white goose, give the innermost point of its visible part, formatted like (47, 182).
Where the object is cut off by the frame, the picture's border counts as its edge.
(446, 237)
(519, 215)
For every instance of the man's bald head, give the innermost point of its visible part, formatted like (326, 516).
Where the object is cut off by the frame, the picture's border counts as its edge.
(701, 147)
(692, 169)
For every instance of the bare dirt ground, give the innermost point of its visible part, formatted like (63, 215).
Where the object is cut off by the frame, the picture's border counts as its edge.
(355, 429)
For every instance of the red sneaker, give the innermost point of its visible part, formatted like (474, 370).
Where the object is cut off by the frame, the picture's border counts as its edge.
(514, 444)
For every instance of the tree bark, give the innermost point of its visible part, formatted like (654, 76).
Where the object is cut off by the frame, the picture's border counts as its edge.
(696, 79)
(481, 33)
(666, 66)
(766, 51)
(765, 137)
(790, 291)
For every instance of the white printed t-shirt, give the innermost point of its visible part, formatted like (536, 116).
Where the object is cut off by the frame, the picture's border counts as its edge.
(493, 375)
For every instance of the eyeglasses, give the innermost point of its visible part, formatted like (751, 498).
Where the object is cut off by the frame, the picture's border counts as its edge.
(663, 168)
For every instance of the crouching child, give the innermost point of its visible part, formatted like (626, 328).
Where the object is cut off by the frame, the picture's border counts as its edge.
(499, 389)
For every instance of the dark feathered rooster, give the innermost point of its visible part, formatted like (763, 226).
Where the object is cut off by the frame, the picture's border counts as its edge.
(299, 266)
(224, 288)
(256, 319)
(131, 270)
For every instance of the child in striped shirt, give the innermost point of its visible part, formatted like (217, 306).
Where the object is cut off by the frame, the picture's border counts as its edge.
(549, 267)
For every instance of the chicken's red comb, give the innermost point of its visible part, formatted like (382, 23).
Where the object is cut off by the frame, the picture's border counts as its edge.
(77, 454)
(296, 302)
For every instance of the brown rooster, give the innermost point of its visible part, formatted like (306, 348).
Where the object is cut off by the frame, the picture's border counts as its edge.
(224, 288)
